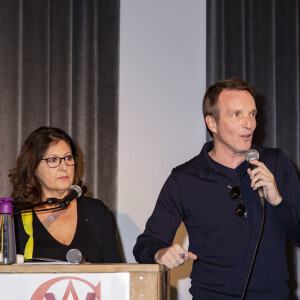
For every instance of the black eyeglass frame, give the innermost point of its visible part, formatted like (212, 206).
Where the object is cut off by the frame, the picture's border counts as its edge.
(60, 159)
(240, 209)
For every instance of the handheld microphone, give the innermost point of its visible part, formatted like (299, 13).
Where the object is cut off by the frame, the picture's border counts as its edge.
(252, 154)
(74, 192)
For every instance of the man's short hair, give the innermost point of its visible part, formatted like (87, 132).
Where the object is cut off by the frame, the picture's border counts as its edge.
(210, 100)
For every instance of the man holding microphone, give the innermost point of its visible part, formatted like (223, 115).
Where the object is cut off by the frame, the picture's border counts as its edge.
(215, 195)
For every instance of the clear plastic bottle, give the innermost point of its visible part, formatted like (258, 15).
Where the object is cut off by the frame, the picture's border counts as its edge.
(7, 232)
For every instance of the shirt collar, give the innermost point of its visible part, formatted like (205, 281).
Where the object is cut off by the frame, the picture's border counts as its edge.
(207, 166)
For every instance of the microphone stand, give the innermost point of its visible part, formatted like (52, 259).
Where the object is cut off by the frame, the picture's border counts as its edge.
(49, 201)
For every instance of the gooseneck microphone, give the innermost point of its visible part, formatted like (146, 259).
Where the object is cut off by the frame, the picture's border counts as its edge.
(252, 154)
(74, 192)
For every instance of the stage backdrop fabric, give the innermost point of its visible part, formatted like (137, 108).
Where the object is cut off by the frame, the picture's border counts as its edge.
(259, 42)
(59, 67)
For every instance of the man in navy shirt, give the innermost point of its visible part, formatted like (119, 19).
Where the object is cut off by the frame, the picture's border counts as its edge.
(215, 195)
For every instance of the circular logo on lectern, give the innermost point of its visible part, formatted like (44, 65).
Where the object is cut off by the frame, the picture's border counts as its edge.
(62, 287)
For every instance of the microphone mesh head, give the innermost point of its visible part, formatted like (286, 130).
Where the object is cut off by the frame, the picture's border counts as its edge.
(76, 188)
(74, 256)
(252, 154)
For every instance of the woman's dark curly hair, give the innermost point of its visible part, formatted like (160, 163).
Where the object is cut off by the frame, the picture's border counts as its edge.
(26, 186)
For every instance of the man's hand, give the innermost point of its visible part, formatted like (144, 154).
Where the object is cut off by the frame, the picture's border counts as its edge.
(262, 177)
(173, 256)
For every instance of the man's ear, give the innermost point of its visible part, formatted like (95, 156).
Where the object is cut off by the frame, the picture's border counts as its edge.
(211, 123)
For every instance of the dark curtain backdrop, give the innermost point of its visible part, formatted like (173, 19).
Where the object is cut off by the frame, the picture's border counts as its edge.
(59, 67)
(259, 42)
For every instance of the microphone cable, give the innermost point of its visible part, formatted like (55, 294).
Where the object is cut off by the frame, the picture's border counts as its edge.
(263, 203)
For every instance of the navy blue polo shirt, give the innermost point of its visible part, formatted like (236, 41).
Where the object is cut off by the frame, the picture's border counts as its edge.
(198, 193)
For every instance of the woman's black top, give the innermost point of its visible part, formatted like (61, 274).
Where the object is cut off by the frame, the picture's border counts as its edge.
(95, 235)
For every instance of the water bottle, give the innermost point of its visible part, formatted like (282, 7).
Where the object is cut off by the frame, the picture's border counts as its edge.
(7, 232)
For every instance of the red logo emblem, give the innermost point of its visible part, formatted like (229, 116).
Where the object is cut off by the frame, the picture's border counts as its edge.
(42, 291)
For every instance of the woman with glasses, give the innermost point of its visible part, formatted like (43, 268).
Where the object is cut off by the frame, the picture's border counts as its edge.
(45, 169)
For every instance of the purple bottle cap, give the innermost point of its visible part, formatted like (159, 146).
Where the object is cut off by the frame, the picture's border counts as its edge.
(6, 205)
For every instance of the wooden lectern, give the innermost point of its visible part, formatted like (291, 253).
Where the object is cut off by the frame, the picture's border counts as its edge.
(144, 281)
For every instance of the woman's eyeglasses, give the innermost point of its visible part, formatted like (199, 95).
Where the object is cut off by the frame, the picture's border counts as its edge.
(240, 209)
(55, 161)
